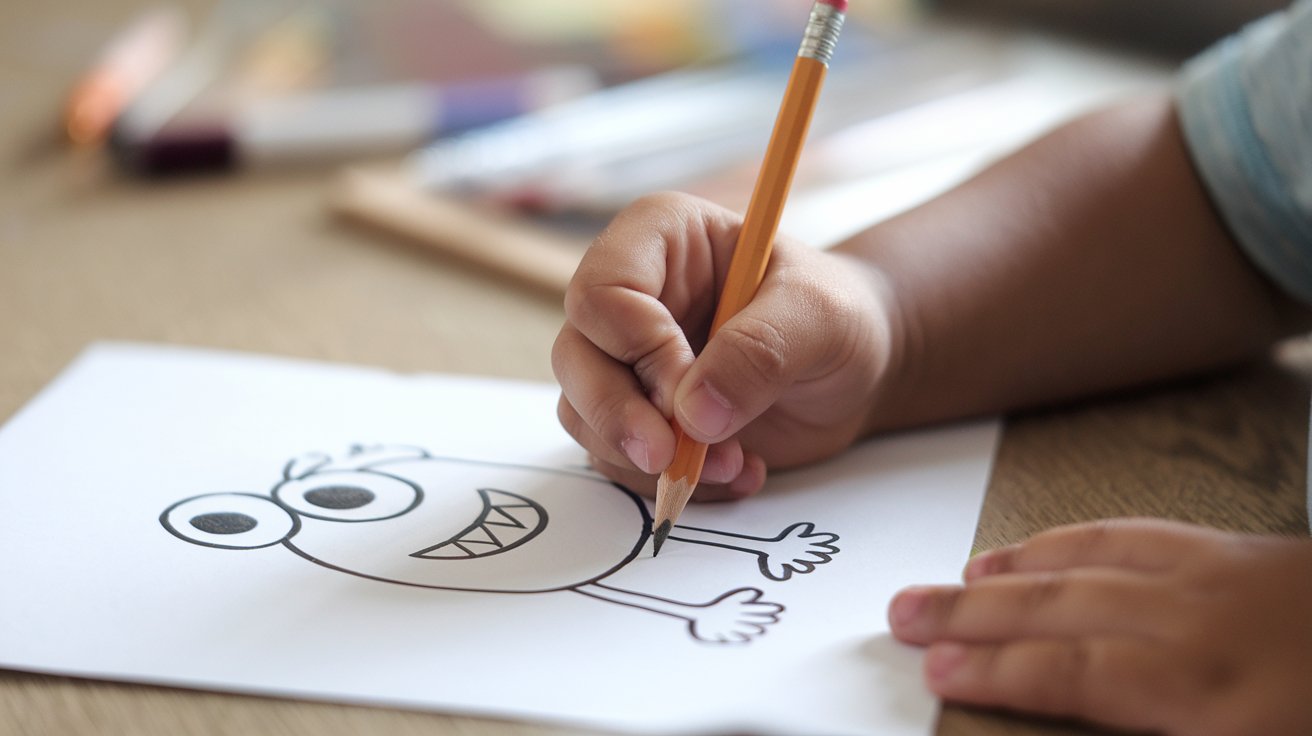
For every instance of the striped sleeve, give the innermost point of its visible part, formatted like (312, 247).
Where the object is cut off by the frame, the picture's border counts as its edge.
(1246, 110)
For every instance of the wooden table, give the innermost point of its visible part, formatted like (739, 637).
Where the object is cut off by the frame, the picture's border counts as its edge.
(252, 263)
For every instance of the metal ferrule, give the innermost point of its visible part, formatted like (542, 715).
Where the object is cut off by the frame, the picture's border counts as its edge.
(821, 33)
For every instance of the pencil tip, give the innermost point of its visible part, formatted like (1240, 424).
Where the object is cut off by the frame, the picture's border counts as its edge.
(659, 536)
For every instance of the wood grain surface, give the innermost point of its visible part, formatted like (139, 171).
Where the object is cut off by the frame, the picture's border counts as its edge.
(252, 262)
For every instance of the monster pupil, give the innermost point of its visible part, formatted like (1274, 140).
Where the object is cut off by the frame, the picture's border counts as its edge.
(224, 523)
(339, 497)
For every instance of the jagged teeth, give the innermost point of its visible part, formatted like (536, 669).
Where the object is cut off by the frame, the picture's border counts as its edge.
(501, 526)
(499, 516)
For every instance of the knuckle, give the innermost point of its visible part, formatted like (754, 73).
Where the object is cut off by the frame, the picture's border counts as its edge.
(659, 211)
(589, 300)
(760, 348)
(1046, 590)
(1068, 692)
(576, 298)
(660, 367)
(648, 352)
(848, 323)
(569, 418)
(562, 354)
(662, 202)
(954, 611)
(1096, 534)
(605, 413)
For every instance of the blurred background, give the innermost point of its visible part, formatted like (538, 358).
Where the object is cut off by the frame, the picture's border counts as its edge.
(235, 173)
(611, 99)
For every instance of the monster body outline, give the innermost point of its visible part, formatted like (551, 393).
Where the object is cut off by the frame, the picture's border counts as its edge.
(398, 514)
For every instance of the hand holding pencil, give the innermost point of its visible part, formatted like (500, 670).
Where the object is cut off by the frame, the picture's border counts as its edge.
(784, 382)
(756, 238)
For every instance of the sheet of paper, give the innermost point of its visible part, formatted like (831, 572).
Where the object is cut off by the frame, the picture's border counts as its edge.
(262, 525)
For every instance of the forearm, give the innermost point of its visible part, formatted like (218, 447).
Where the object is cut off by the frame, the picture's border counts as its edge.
(1089, 260)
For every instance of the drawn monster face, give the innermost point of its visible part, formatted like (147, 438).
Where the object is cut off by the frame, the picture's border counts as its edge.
(401, 516)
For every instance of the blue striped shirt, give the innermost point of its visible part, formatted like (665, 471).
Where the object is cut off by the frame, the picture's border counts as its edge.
(1246, 110)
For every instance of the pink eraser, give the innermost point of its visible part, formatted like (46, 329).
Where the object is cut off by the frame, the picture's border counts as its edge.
(839, 5)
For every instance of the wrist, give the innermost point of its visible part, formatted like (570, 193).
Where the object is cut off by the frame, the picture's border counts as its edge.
(890, 357)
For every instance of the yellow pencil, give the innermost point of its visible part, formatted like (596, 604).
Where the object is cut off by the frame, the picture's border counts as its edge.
(756, 239)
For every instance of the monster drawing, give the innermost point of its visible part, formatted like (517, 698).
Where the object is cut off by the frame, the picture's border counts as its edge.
(400, 515)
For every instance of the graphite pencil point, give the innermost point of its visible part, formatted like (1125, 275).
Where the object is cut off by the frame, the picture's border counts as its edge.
(659, 536)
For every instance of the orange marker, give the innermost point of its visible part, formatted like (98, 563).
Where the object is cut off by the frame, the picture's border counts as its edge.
(756, 239)
(136, 56)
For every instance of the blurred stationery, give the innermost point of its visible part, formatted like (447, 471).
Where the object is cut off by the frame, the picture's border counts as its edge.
(920, 110)
(531, 122)
(252, 524)
(345, 123)
(272, 82)
(133, 58)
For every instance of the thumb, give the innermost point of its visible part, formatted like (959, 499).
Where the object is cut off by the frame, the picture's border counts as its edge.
(787, 333)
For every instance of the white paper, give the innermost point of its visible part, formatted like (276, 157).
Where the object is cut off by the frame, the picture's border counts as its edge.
(127, 484)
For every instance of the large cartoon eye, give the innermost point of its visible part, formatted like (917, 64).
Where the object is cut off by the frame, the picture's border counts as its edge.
(348, 495)
(230, 521)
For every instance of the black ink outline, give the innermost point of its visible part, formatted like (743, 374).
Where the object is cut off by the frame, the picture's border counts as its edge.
(645, 525)
(482, 521)
(419, 495)
(752, 629)
(760, 630)
(296, 521)
(321, 459)
(331, 501)
(762, 557)
(248, 523)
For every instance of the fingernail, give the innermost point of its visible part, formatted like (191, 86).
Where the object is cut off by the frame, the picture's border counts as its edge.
(707, 410)
(636, 450)
(907, 607)
(944, 660)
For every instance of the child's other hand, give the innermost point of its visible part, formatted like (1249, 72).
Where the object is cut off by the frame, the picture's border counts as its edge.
(1135, 624)
(788, 380)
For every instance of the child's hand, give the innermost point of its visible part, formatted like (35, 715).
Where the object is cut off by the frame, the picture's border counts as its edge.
(1135, 624)
(790, 379)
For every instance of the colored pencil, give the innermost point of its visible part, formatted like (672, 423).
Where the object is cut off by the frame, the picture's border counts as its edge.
(130, 61)
(756, 239)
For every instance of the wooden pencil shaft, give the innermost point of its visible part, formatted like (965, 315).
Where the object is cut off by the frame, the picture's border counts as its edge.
(755, 242)
(689, 456)
(674, 496)
(751, 253)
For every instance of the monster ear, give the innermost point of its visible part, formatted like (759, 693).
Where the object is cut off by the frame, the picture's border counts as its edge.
(366, 456)
(303, 465)
(230, 521)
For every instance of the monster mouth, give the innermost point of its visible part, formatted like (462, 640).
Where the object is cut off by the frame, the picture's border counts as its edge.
(507, 521)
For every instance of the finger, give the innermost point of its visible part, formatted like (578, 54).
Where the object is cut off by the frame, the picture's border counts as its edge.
(645, 485)
(728, 472)
(583, 434)
(605, 409)
(798, 324)
(637, 481)
(724, 464)
(1082, 602)
(1113, 681)
(752, 479)
(1141, 544)
(724, 461)
(648, 276)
